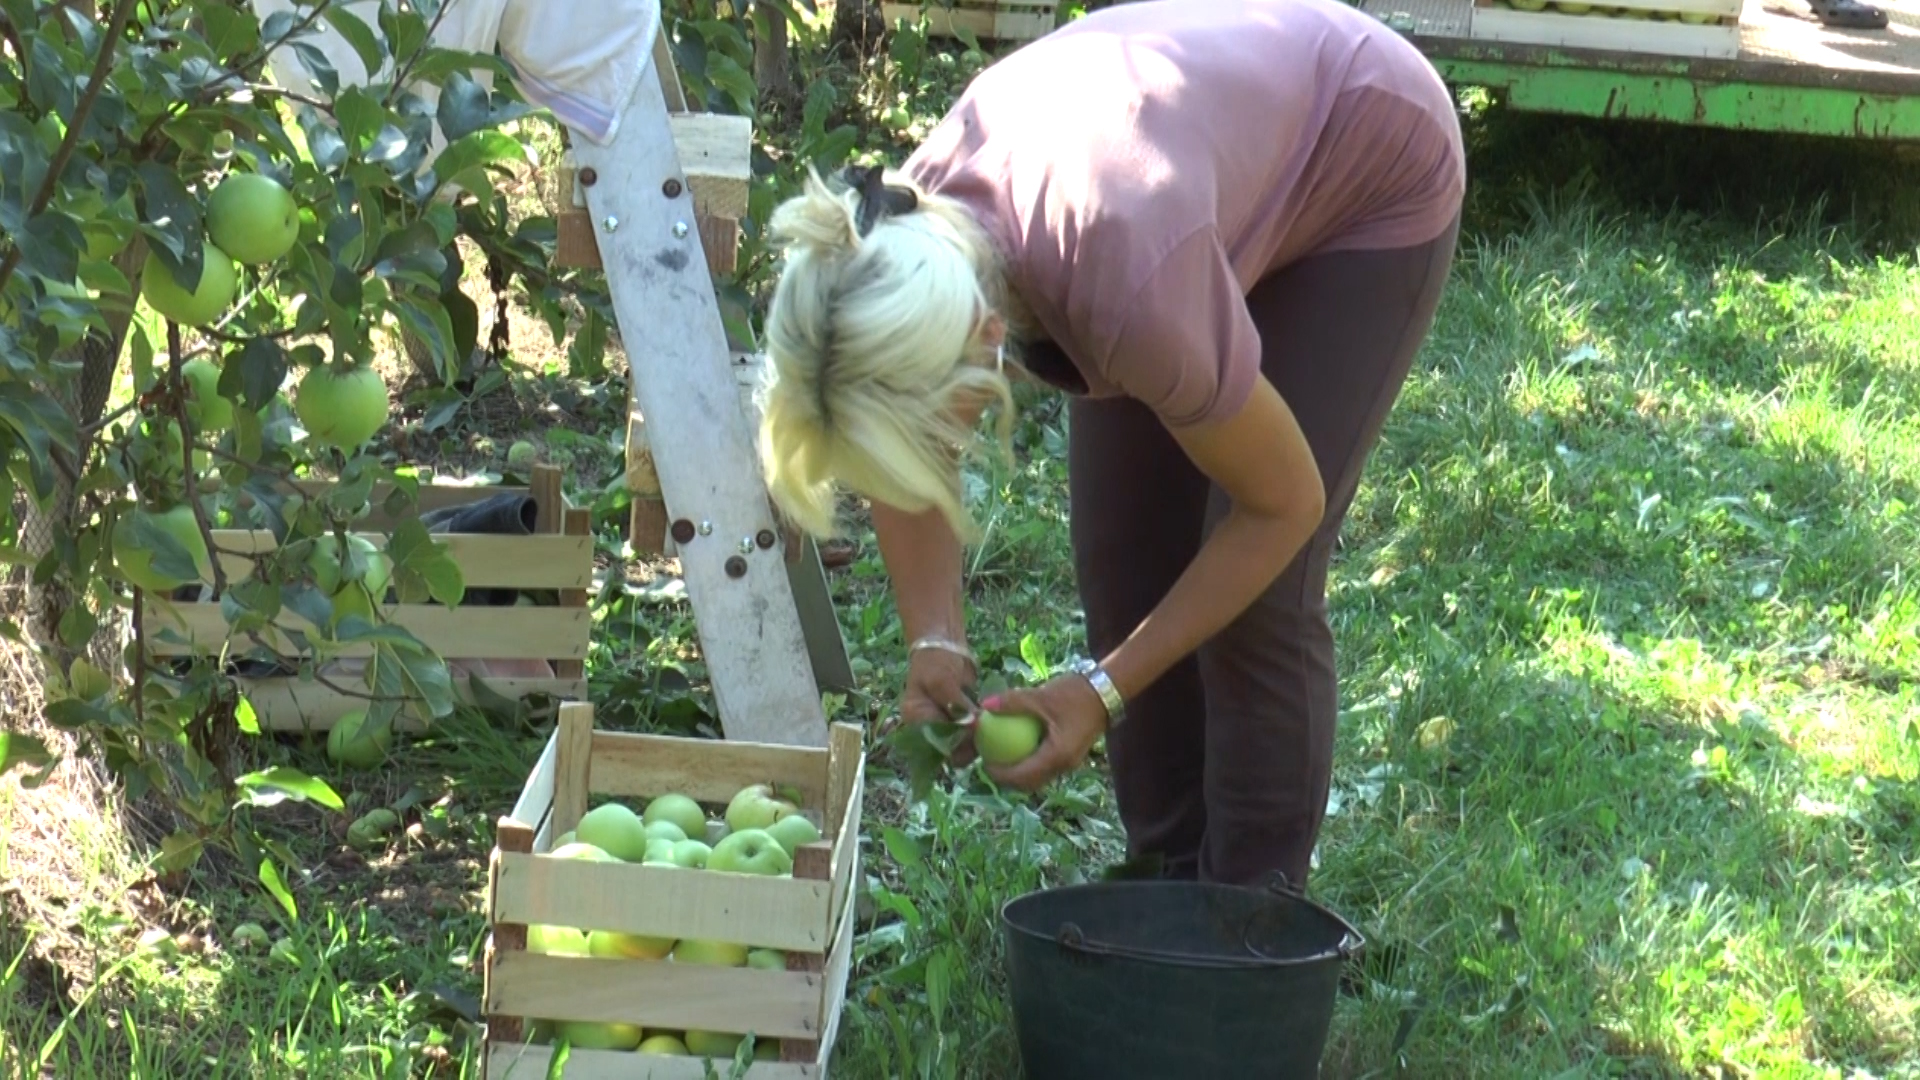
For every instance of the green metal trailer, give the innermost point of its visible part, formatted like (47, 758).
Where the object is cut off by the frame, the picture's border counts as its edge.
(1789, 74)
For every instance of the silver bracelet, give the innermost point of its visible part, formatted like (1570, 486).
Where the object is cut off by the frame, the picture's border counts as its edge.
(944, 645)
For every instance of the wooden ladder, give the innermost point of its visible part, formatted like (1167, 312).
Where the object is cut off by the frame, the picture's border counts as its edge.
(658, 209)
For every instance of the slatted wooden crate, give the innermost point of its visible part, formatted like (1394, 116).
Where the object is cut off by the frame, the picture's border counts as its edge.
(1697, 28)
(986, 20)
(809, 916)
(716, 157)
(558, 557)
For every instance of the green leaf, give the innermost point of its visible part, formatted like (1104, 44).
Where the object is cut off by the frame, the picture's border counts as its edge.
(587, 352)
(170, 557)
(1036, 656)
(927, 750)
(467, 107)
(412, 674)
(255, 373)
(422, 565)
(230, 31)
(51, 246)
(25, 751)
(360, 114)
(244, 716)
(172, 216)
(293, 783)
(41, 423)
(475, 151)
(428, 319)
(324, 75)
(366, 44)
(270, 877)
(180, 851)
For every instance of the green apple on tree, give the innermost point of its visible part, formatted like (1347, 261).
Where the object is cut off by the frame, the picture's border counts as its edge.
(208, 410)
(342, 408)
(350, 597)
(349, 745)
(756, 806)
(750, 851)
(214, 294)
(135, 562)
(252, 218)
(680, 810)
(1003, 739)
(615, 829)
(86, 679)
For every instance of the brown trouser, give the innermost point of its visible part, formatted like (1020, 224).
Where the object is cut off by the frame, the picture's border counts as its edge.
(1222, 766)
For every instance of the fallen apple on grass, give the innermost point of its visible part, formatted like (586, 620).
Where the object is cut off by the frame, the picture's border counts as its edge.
(354, 748)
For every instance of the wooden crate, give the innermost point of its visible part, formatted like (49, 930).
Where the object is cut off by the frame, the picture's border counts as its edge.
(810, 915)
(716, 157)
(558, 557)
(1638, 26)
(986, 20)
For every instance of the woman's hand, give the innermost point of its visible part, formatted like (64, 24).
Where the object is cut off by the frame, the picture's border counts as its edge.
(938, 684)
(1075, 718)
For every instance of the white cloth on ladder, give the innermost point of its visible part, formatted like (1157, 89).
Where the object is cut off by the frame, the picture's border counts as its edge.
(580, 60)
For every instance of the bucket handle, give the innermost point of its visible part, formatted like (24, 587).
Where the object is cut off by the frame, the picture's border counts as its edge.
(1351, 939)
(1070, 937)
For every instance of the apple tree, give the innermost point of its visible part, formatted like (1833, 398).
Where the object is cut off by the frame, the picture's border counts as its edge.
(197, 267)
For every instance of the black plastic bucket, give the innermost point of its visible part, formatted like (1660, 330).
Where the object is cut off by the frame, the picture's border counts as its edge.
(1167, 979)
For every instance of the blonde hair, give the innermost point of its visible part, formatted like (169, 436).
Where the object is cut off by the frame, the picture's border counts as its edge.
(871, 341)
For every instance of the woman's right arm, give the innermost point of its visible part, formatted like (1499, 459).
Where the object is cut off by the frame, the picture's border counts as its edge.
(923, 559)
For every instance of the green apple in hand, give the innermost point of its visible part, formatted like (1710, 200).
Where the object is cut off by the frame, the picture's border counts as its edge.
(750, 851)
(1003, 739)
(756, 807)
(616, 829)
(681, 810)
(793, 831)
(711, 953)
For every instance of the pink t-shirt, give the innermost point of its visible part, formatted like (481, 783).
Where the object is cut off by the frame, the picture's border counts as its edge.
(1141, 169)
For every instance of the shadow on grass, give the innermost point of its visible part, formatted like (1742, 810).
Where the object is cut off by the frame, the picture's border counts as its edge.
(1576, 606)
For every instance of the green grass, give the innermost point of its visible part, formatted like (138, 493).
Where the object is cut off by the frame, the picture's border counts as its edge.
(1628, 779)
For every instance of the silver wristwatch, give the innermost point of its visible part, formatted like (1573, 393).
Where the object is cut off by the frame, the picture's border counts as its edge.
(1102, 685)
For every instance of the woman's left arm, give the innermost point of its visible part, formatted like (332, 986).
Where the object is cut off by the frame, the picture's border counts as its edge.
(1260, 458)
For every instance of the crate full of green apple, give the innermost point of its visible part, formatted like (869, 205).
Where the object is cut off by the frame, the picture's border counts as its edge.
(1697, 28)
(658, 905)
